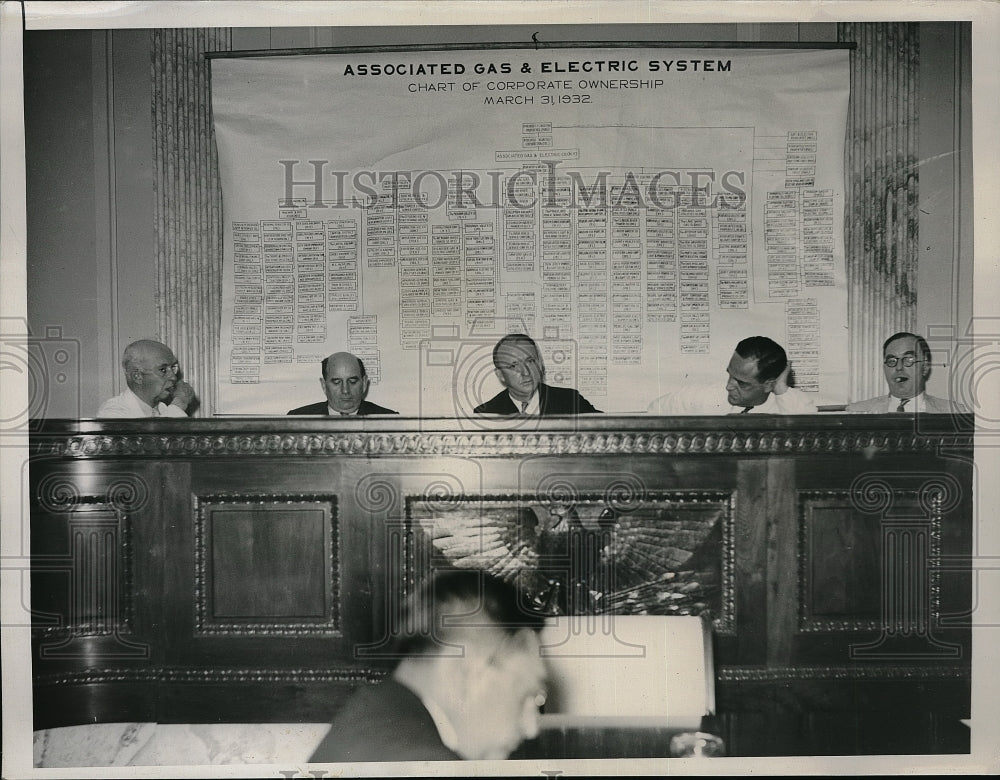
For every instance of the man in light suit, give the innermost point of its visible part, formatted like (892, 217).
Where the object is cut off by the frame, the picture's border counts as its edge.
(906, 360)
(154, 387)
(469, 684)
(345, 384)
(519, 367)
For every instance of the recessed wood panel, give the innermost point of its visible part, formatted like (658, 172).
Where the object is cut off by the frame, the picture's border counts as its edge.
(866, 565)
(844, 559)
(267, 564)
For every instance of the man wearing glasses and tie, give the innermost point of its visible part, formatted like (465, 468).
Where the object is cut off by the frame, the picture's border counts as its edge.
(906, 362)
(154, 387)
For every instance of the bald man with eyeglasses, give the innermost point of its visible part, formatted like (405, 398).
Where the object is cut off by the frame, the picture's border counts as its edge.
(154, 387)
(906, 363)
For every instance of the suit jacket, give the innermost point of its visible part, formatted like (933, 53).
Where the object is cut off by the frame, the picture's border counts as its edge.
(367, 407)
(551, 400)
(932, 405)
(383, 722)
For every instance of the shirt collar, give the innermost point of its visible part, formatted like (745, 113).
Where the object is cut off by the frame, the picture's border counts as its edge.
(149, 410)
(533, 403)
(334, 413)
(915, 404)
(756, 408)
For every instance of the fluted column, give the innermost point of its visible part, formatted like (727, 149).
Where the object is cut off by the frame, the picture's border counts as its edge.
(881, 215)
(188, 203)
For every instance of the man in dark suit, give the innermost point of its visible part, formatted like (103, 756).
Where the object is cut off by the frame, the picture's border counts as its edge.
(906, 360)
(345, 385)
(519, 367)
(469, 683)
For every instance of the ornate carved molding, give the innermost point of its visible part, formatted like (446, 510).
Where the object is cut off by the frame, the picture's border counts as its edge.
(202, 676)
(772, 674)
(374, 444)
(724, 674)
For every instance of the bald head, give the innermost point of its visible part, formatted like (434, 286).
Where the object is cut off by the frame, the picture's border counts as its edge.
(141, 353)
(344, 382)
(150, 370)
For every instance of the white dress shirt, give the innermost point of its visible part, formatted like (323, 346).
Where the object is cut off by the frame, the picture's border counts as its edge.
(128, 404)
(713, 399)
(532, 409)
(915, 404)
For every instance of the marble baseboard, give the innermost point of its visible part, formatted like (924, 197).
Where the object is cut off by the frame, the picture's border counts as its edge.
(168, 744)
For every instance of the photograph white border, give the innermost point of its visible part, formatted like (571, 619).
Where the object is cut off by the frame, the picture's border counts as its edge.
(985, 17)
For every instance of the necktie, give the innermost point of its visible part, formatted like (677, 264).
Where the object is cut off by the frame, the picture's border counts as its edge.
(524, 407)
(902, 405)
(746, 409)
(156, 412)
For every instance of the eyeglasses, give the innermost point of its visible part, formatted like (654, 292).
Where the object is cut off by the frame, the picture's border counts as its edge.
(907, 361)
(170, 368)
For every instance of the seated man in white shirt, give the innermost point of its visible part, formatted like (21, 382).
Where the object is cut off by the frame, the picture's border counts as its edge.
(906, 363)
(758, 374)
(153, 386)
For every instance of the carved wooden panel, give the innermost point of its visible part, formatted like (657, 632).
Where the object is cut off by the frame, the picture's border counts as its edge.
(663, 553)
(361, 503)
(840, 565)
(869, 559)
(267, 565)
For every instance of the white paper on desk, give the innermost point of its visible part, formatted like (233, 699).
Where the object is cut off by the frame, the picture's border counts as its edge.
(630, 666)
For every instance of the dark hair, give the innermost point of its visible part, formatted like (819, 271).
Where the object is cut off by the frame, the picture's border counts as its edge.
(513, 338)
(327, 359)
(769, 354)
(922, 345)
(461, 597)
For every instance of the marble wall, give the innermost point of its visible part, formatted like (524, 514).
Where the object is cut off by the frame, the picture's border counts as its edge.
(169, 744)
